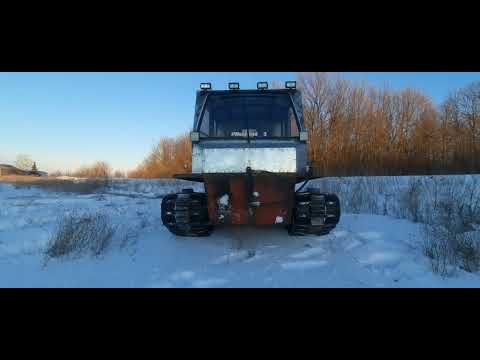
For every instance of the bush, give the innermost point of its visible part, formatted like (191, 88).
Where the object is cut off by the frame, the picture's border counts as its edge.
(411, 200)
(77, 234)
(447, 250)
(438, 248)
(468, 250)
(100, 169)
(454, 212)
(449, 207)
(469, 208)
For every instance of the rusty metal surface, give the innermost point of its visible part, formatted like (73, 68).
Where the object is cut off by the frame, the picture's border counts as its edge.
(267, 200)
(275, 196)
(238, 200)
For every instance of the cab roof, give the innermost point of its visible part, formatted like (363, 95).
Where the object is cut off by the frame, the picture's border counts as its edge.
(202, 96)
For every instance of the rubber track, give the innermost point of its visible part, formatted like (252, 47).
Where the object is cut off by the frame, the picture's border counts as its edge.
(186, 214)
(314, 213)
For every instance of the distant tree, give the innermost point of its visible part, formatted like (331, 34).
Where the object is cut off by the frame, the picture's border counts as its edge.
(34, 167)
(356, 129)
(119, 174)
(170, 156)
(100, 169)
(56, 173)
(24, 162)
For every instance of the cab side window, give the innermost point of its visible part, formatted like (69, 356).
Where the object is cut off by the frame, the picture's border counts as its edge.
(294, 132)
(205, 126)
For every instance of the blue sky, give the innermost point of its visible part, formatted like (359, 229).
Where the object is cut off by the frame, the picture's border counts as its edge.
(65, 120)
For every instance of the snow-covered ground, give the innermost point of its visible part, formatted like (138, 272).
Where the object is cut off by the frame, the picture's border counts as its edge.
(365, 250)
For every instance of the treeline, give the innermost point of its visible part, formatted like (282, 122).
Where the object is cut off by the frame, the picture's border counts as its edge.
(358, 129)
(170, 156)
(99, 169)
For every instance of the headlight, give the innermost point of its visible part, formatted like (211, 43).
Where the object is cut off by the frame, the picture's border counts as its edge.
(291, 84)
(195, 136)
(263, 85)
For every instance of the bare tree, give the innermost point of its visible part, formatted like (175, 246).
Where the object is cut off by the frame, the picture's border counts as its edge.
(24, 162)
(356, 129)
(460, 116)
(101, 169)
(170, 156)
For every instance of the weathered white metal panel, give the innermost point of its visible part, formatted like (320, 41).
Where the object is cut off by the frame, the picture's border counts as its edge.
(197, 159)
(228, 160)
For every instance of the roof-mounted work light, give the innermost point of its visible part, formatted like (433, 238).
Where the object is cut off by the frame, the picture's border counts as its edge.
(234, 86)
(263, 85)
(291, 84)
(206, 86)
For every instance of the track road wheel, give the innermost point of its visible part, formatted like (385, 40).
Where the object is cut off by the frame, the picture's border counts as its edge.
(314, 213)
(186, 214)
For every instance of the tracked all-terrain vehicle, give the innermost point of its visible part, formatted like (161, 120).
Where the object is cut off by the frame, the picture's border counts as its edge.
(249, 148)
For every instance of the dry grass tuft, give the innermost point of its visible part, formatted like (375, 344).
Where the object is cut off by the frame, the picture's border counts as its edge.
(77, 234)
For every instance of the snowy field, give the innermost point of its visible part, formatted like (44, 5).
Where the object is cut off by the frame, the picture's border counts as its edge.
(371, 247)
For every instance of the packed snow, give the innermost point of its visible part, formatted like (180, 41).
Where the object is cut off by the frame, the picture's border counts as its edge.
(224, 200)
(365, 250)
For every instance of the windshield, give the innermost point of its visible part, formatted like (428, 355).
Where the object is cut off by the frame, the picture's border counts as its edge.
(252, 115)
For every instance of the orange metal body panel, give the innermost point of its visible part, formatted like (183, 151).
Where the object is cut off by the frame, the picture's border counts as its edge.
(262, 199)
